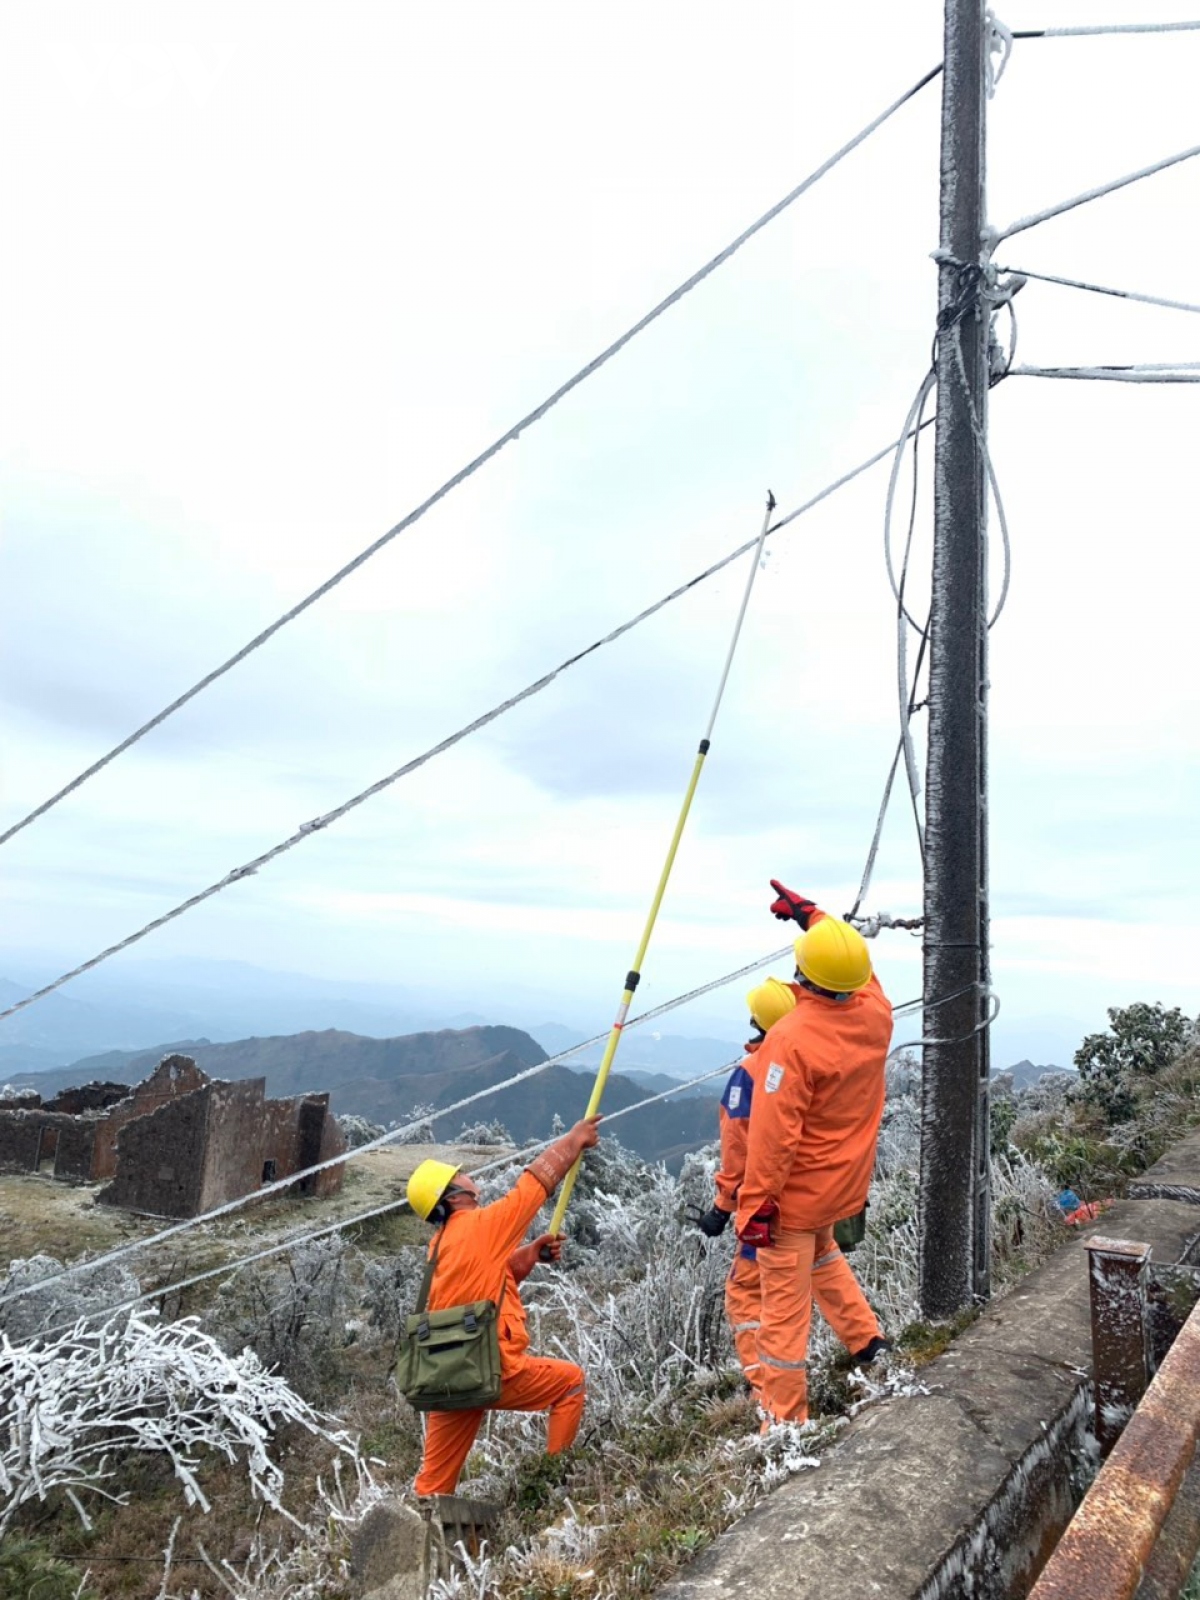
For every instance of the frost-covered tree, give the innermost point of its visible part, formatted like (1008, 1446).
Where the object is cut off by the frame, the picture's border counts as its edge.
(87, 1291)
(292, 1313)
(359, 1131)
(1140, 1041)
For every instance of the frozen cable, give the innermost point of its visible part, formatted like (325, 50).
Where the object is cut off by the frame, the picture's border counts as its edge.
(1098, 288)
(981, 440)
(1170, 372)
(307, 829)
(473, 466)
(870, 927)
(1038, 217)
(391, 1136)
(980, 1027)
(999, 48)
(305, 1236)
(1107, 27)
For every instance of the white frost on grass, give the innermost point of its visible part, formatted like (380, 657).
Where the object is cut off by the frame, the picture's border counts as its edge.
(71, 1407)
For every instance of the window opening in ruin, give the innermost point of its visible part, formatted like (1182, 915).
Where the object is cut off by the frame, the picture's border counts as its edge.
(268, 1172)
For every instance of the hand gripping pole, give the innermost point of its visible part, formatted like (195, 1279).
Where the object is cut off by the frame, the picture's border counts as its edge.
(633, 976)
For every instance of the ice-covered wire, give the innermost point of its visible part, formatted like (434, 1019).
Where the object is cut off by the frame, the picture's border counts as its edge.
(393, 1134)
(1038, 217)
(981, 439)
(980, 1027)
(1150, 372)
(1099, 288)
(306, 829)
(135, 1246)
(473, 466)
(1106, 27)
(306, 1235)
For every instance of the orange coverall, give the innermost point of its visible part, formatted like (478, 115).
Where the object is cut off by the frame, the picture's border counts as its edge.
(741, 1286)
(476, 1257)
(814, 1122)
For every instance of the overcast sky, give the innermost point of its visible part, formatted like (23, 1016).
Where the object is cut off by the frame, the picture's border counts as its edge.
(274, 272)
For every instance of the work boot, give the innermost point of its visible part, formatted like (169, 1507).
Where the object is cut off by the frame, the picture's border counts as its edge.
(878, 1346)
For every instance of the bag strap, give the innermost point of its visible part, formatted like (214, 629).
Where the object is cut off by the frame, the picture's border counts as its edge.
(430, 1268)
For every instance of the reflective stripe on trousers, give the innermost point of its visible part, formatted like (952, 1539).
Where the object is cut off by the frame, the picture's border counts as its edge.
(797, 1268)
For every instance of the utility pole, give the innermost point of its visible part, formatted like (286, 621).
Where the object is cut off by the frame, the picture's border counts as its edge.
(955, 1209)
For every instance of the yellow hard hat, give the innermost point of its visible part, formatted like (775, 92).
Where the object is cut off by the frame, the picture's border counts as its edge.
(834, 956)
(770, 1001)
(428, 1184)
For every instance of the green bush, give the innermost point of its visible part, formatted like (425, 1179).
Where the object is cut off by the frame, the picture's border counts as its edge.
(1141, 1040)
(28, 1570)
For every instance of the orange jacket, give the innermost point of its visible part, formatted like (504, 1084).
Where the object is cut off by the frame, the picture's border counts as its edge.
(816, 1109)
(474, 1250)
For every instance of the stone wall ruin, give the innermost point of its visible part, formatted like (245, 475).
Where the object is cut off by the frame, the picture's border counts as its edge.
(175, 1145)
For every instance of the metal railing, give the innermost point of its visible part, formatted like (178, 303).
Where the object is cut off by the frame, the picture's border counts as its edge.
(1137, 1532)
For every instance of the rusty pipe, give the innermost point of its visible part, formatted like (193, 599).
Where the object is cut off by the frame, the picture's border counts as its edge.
(1105, 1549)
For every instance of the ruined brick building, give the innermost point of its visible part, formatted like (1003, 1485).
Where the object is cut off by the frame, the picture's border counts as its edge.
(177, 1144)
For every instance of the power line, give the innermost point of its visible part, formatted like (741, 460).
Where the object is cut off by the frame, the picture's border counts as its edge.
(480, 460)
(1151, 372)
(135, 1246)
(307, 829)
(1106, 27)
(1038, 217)
(1098, 288)
(390, 1137)
(294, 1241)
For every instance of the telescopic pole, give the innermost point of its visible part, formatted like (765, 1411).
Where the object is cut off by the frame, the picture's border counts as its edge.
(633, 976)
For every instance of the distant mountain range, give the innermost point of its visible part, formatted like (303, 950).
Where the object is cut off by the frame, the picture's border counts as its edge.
(384, 1079)
(1025, 1074)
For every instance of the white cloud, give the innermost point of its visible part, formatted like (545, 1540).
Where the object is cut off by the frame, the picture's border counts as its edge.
(274, 282)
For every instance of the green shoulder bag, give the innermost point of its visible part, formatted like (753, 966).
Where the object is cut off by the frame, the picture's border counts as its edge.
(851, 1231)
(450, 1360)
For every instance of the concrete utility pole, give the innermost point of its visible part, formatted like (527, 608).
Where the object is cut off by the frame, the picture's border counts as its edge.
(955, 1209)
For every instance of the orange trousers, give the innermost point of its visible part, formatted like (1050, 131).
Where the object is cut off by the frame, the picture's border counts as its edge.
(538, 1384)
(797, 1268)
(742, 1300)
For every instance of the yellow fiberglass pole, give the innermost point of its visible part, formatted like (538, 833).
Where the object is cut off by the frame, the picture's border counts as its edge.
(633, 976)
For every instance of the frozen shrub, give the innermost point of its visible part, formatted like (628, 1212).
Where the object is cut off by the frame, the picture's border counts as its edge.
(485, 1133)
(419, 1122)
(358, 1131)
(74, 1407)
(292, 1313)
(63, 1303)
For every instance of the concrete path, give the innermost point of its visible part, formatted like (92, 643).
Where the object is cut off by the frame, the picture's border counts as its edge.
(961, 1491)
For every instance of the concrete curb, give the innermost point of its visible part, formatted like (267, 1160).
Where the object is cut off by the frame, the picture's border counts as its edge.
(964, 1490)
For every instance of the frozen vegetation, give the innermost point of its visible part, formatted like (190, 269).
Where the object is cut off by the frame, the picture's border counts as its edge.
(247, 1437)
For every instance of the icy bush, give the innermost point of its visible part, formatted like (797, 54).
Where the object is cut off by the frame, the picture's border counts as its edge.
(359, 1131)
(485, 1133)
(419, 1122)
(292, 1313)
(86, 1292)
(72, 1407)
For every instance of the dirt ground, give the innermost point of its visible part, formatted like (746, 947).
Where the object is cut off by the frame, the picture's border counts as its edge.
(41, 1216)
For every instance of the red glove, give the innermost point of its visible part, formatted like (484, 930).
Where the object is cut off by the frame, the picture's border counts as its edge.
(791, 907)
(760, 1230)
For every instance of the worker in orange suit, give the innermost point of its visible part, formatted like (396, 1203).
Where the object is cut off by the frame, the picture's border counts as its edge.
(768, 1002)
(810, 1152)
(481, 1257)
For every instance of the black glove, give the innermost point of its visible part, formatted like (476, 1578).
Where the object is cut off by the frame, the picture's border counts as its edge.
(791, 907)
(714, 1222)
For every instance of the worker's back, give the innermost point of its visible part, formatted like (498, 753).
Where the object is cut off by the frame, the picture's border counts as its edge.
(817, 1107)
(473, 1248)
